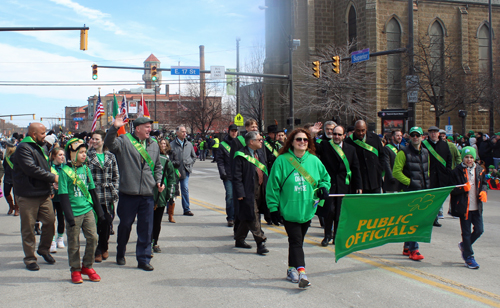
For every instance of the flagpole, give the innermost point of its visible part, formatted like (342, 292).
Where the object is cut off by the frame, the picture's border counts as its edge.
(100, 118)
(343, 195)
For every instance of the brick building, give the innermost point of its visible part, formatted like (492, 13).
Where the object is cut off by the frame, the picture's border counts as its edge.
(380, 25)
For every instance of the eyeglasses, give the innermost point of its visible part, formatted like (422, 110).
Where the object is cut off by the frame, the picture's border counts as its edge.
(301, 139)
(415, 135)
(334, 134)
(260, 140)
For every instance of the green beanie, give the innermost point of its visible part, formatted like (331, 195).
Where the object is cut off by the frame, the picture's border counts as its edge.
(468, 151)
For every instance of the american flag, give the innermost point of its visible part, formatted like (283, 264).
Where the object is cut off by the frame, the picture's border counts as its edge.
(99, 111)
(123, 109)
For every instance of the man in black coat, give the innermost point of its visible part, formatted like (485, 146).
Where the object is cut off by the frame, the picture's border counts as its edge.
(224, 165)
(440, 161)
(371, 156)
(32, 181)
(342, 183)
(391, 150)
(249, 180)
(271, 146)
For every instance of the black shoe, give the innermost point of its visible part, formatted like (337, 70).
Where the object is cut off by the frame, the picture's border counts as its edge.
(120, 261)
(436, 223)
(32, 267)
(48, 258)
(145, 266)
(242, 244)
(230, 223)
(325, 241)
(156, 249)
(261, 248)
(37, 229)
(188, 213)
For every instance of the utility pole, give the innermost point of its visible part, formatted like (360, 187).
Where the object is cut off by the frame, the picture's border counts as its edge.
(490, 55)
(411, 68)
(290, 81)
(156, 88)
(238, 76)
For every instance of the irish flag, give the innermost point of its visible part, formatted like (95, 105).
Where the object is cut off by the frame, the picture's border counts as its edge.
(116, 111)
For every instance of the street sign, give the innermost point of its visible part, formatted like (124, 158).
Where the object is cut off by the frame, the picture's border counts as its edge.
(412, 88)
(77, 119)
(155, 125)
(449, 130)
(184, 70)
(217, 72)
(238, 120)
(360, 55)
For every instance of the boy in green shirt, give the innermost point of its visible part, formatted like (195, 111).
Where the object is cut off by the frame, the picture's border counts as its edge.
(79, 201)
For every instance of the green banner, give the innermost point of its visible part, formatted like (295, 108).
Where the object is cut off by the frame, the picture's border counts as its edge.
(372, 220)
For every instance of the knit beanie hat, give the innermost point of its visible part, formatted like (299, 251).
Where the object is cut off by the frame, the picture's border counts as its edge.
(468, 151)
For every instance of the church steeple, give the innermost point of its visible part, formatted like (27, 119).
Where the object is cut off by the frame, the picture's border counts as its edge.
(151, 61)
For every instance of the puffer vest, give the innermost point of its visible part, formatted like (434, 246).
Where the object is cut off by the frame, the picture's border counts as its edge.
(417, 166)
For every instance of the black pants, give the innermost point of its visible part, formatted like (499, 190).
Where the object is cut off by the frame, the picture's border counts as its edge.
(157, 217)
(7, 187)
(103, 230)
(296, 233)
(59, 215)
(372, 191)
(332, 218)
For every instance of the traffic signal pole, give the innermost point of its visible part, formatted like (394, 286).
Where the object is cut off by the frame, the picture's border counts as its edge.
(83, 32)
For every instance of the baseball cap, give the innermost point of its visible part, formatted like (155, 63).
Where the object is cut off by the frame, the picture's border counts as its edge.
(232, 127)
(417, 130)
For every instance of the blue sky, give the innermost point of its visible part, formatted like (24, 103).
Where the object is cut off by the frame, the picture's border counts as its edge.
(122, 33)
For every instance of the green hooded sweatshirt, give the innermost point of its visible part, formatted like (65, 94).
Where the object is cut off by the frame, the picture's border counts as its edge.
(289, 192)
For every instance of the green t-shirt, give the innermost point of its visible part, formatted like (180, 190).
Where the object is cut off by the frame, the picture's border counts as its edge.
(100, 157)
(79, 204)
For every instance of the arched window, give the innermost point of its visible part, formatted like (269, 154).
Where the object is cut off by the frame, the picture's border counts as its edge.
(483, 43)
(437, 47)
(393, 31)
(352, 26)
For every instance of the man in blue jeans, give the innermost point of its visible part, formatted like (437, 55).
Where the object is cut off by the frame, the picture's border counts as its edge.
(224, 165)
(183, 158)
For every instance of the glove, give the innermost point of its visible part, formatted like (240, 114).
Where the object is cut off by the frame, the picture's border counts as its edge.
(275, 217)
(322, 193)
(413, 186)
(467, 186)
(483, 196)
(223, 177)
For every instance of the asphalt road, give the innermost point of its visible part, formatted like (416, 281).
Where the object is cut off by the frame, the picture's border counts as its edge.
(199, 267)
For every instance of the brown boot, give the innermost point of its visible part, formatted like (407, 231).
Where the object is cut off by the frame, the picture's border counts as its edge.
(170, 212)
(11, 204)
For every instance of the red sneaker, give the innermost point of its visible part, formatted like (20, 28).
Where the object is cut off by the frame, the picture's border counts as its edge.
(416, 256)
(76, 277)
(406, 252)
(91, 273)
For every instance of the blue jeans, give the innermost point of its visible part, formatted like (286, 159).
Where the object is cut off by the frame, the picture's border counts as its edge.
(412, 246)
(228, 185)
(468, 238)
(130, 206)
(202, 154)
(185, 193)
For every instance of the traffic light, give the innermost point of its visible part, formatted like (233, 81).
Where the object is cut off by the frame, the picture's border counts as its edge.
(33, 116)
(336, 64)
(84, 37)
(153, 73)
(316, 69)
(94, 71)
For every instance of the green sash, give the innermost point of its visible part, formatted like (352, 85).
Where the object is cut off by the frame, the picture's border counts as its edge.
(226, 146)
(72, 175)
(242, 140)
(11, 165)
(393, 148)
(433, 152)
(344, 159)
(278, 144)
(364, 145)
(300, 169)
(142, 151)
(254, 161)
(319, 140)
(30, 140)
(271, 149)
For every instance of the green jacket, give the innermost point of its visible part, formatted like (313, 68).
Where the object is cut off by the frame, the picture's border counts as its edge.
(289, 192)
(169, 183)
(399, 164)
(202, 145)
(216, 144)
(456, 159)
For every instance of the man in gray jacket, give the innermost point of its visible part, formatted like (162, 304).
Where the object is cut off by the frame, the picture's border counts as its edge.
(183, 158)
(138, 158)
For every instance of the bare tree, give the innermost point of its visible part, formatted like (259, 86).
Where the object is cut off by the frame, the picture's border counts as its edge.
(251, 88)
(202, 113)
(344, 96)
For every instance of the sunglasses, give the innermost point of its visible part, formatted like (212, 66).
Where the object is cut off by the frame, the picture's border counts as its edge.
(301, 139)
(415, 135)
(334, 134)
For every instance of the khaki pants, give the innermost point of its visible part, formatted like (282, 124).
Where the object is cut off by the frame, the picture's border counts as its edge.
(31, 210)
(87, 224)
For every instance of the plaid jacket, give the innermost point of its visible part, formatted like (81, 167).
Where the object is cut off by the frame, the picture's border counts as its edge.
(106, 177)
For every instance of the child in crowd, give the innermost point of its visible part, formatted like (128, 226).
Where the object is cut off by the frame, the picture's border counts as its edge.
(467, 202)
(57, 161)
(79, 201)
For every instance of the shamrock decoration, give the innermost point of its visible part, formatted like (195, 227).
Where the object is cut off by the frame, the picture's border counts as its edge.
(421, 203)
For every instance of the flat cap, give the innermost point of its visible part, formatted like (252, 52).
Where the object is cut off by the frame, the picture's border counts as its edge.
(433, 128)
(142, 120)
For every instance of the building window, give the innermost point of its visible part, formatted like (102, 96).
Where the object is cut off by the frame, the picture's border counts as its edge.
(483, 42)
(437, 55)
(352, 27)
(393, 31)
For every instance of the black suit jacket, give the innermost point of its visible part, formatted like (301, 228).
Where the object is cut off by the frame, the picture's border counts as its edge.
(440, 175)
(390, 183)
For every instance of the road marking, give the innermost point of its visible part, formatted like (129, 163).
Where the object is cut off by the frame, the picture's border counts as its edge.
(442, 283)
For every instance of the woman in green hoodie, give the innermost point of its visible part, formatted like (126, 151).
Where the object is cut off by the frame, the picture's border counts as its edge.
(297, 181)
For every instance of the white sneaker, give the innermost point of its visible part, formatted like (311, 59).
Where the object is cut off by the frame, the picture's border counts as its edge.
(60, 242)
(53, 247)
